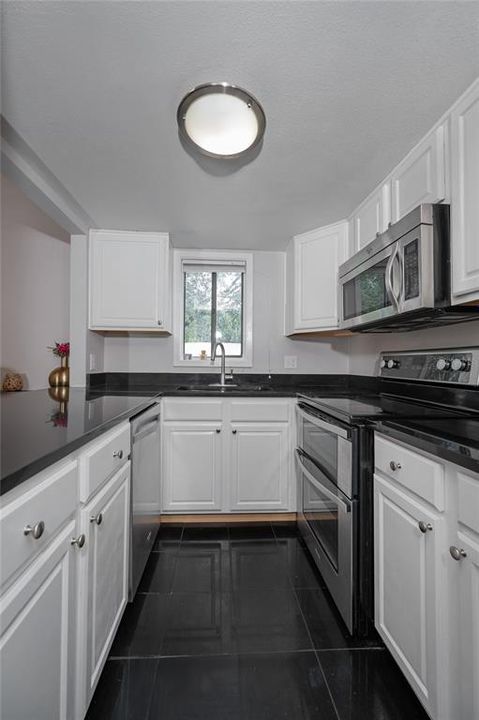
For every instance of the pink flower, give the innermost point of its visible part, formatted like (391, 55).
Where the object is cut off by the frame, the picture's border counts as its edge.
(61, 349)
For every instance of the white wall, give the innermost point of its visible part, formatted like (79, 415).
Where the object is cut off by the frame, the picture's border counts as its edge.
(364, 349)
(35, 287)
(155, 354)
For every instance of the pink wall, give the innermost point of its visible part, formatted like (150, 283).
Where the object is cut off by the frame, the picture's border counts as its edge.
(35, 287)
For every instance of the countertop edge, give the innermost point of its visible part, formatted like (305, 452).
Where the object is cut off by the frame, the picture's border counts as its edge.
(430, 444)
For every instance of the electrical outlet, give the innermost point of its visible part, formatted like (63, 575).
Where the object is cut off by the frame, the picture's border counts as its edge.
(290, 362)
(92, 361)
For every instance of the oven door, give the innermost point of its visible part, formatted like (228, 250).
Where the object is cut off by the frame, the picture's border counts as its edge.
(328, 444)
(326, 518)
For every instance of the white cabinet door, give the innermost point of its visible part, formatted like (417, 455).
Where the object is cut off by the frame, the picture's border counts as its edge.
(259, 465)
(104, 563)
(129, 280)
(192, 467)
(465, 196)
(465, 603)
(36, 642)
(372, 217)
(408, 586)
(420, 177)
(313, 284)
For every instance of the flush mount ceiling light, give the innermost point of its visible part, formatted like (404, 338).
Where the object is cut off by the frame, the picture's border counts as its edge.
(221, 120)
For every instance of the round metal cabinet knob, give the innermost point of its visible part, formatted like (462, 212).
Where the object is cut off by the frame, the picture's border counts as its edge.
(395, 465)
(160, 322)
(218, 430)
(98, 519)
(234, 432)
(36, 531)
(457, 553)
(118, 454)
(79, 541)
(424, 527)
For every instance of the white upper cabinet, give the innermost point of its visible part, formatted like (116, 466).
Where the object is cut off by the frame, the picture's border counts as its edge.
(313, 259)
(371, 217)
(420, 177)
(129, 280)
(465, 196)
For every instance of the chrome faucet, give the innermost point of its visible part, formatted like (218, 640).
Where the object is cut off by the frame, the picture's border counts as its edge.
(223, 360)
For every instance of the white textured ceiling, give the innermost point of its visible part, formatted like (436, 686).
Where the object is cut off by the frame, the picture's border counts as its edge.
(347, 87)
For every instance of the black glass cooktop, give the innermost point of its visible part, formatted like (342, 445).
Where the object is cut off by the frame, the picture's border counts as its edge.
(357, 408)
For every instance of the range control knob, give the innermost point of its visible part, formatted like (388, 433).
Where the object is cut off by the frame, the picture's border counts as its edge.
(391, 364)
(443, 364)
(382, 364)
(459, 364)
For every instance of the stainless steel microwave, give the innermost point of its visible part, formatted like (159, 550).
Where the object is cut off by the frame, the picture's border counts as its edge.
(401, 280)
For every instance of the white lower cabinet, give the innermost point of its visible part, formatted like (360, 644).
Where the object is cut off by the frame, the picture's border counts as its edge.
(259, 466)
(426, 523)
(238, 463)
(192, 466)
(37, 638)
(465, 602)
(408, 586)
(103, 579)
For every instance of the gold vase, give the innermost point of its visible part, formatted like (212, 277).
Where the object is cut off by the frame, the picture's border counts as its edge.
(60, 376)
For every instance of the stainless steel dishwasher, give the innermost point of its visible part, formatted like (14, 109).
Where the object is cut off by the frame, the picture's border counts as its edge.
(145, 491)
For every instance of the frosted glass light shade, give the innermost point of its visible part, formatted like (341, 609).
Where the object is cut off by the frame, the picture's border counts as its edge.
(221, 120)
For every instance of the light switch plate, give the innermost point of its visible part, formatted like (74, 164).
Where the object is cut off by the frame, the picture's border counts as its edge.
(290, 362)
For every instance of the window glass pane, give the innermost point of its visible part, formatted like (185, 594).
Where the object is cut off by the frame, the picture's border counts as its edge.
(229, 312)
(197, 331)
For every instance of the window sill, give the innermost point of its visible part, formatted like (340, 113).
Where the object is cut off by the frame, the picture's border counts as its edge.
(214, 367)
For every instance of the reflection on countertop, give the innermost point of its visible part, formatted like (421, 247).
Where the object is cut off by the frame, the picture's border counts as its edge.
(38, 429)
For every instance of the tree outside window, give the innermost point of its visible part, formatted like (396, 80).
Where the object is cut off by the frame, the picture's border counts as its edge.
(213, 312)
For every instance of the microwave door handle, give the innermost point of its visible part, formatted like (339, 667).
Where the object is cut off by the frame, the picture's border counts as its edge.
(402, 291)
(388, 279)
(345, 507)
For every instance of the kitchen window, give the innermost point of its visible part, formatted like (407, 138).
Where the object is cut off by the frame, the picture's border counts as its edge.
(213, 303)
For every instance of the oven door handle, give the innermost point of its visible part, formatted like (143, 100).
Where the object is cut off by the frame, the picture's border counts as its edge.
(343, 504)
(388, 279)
(328, 427)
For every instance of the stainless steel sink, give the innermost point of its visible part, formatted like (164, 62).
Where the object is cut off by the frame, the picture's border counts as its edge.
(215, 387)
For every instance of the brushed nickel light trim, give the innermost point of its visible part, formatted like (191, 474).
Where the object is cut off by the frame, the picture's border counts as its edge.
(222, 88)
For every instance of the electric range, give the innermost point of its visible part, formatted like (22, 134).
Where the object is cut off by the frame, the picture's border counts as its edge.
(335, 461)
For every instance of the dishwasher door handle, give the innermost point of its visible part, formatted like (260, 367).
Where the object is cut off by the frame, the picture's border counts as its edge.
(148, 427)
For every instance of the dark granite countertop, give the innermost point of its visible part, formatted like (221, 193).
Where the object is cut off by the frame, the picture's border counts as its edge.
(37, 431)
(454, 439)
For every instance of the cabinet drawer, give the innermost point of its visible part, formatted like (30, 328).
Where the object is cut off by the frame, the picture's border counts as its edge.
(418, 473)
(51, 501)
(260, 410)
(468, 500)
(192, 409)
(102, 458)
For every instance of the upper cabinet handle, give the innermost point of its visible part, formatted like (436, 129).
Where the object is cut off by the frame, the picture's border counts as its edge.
(395, 465)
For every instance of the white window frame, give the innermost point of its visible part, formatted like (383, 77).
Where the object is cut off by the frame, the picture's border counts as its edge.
(192, 256)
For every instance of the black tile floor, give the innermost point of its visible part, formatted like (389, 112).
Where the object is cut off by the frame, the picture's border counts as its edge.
(235, 624)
